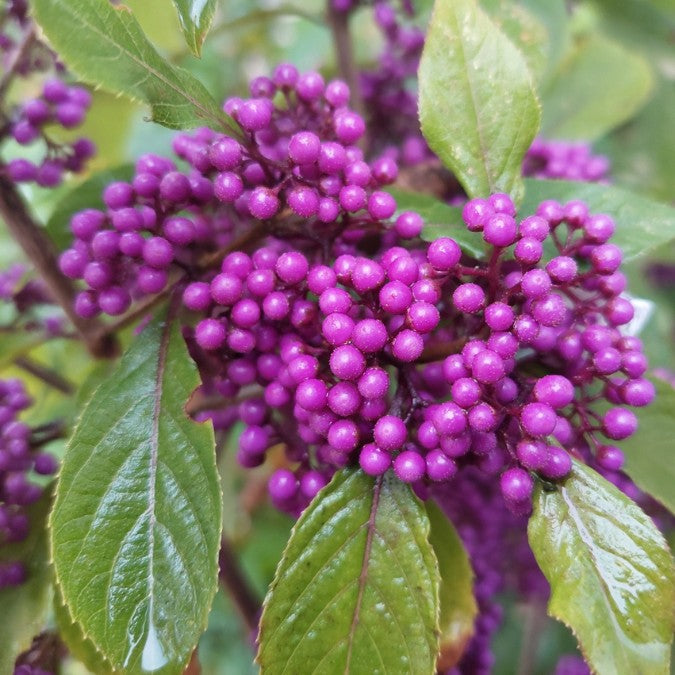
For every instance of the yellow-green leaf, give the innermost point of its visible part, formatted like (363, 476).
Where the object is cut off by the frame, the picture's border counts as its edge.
(611, 573)
(458, 604)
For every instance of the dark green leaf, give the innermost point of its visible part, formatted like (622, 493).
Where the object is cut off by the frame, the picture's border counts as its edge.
(597, 88)
(357, 588)
(641, 224)
(137, 518)
(25, 607)
(611, 573)
(195, 18)
(440, 220)
(111, 51)
(650, 456)
(478, 107)
(458, 605)
(87, 195)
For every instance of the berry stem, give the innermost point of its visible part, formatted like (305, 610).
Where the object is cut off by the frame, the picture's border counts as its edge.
(232, 576)
(21, 51)
(39, 250)
(47, 375)
(344, 54)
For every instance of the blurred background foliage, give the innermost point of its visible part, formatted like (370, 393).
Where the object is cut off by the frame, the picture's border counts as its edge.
(627, 46)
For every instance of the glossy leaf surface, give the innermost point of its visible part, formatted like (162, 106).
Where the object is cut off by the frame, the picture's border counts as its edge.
(137, 517)
(478, 106)
(357, 587)
(611, 573)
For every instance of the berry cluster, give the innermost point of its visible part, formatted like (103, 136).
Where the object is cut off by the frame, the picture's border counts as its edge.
(329, 322)
(31, 121)
(565, 160)
(392, 107)
(296, 168)
(59, 104)
(17, 460)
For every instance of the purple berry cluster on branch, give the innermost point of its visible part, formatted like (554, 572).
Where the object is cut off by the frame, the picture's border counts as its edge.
(32, 121)
(20, 457)
(345, 337)
(565, 160)
(297, 167)
(59, 104)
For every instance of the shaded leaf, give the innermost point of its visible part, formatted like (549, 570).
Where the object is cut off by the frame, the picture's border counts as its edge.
(195, 18)
(111, 51)
(598, 87)
(650, 456)
(478, 106)
(642, 150)
(611, 573)
(641, 224)
(458, 604)
(524, 29)
(86, 195)
(440, 220)
(137, 517)
(25, 607)
(357, 587)
(553, 16)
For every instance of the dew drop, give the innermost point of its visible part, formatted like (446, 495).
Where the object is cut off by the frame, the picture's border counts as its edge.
(153, 657)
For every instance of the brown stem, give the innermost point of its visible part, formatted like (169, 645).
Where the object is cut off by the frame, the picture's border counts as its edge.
(48, 376)
(200, 402)
(47, 433)
(232, 576)
(534, 625)
(194, 667)
(39, 250)
(21, 51)
(139, 311)
(344, 54)
(439, 350)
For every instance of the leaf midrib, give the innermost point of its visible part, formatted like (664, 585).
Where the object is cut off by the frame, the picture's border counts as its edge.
(205, 113)
(363, 577)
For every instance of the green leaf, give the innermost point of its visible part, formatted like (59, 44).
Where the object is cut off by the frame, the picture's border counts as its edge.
(111, 51)
(137, 517)
(641, 224)
(25, 607)
(524, 29)
(440, 220)
(553, 15)
(611, 573)
(357, 587)
(78, 645)
(641, 151)
(86, 195)
(478, 106)
(598, 87)
(458, 605)
(649, 453)
(195, 18)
